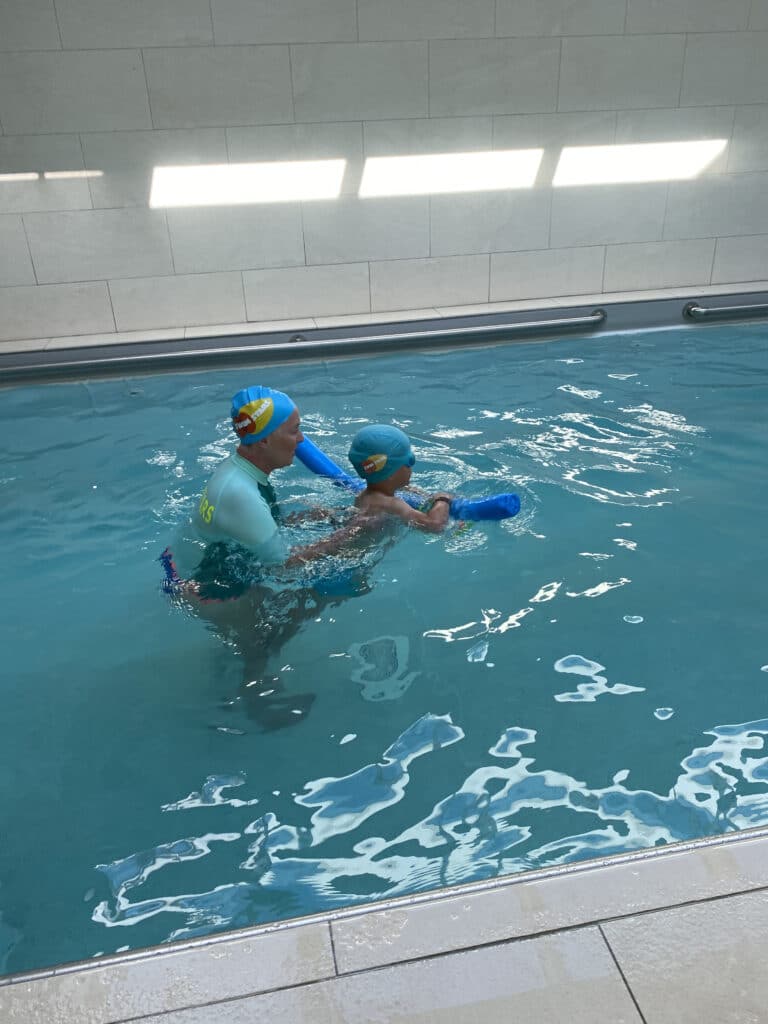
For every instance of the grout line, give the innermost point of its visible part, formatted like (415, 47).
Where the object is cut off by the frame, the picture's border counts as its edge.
(146, 86)
(559, 71)
(663, 237)
(429, 78)
(58, 26)
(213, 29)
(333, 949)
(111, 305)
(290, 76)
(626, 16)
(245, 302)
(85, 165)
(29, 248)
(621, 973)
(714, 258)
(605, 267)
(682, 71)
(303, 233)
(490, 264)
(357, 20)
(495, 17)
(370, 291)
(170, 245)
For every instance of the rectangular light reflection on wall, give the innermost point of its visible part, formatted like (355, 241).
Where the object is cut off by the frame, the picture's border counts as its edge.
(647, 161)
(450, 172)
(241, 184)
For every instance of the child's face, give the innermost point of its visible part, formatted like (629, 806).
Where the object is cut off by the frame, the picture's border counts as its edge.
(402, 477)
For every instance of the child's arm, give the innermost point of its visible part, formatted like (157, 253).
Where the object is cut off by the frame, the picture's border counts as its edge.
(433, 521)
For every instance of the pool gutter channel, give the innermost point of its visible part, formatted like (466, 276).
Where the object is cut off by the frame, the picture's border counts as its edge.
(551, 323)
(464, 891)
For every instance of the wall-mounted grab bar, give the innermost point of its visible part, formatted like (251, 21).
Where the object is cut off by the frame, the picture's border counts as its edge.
(571, 323)
(210, 351)
(696, 312)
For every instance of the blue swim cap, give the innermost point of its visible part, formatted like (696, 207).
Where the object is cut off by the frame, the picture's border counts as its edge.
(378, 451)
(257, 411)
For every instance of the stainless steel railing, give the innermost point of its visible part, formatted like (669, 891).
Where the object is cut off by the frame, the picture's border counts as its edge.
(696, 312)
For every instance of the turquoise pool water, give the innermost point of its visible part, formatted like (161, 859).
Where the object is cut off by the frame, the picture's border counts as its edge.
(589, 677)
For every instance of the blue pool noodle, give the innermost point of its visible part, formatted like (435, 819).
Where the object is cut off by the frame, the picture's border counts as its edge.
(498, 506)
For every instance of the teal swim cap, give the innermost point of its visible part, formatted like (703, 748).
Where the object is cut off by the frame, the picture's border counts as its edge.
(257, 411)
(378, 451)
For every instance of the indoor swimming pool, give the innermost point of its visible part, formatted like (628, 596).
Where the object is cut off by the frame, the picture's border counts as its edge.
(586, 678)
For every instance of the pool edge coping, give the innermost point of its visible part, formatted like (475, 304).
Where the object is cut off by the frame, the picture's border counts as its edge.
(433, 897)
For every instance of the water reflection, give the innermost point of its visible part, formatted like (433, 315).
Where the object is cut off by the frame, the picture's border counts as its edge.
(493, 824)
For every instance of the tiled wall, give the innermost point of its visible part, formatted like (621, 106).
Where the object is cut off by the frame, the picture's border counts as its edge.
(118, 87)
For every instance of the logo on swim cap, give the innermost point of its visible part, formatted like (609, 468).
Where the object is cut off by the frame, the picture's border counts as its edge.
(373, 464)
(253, 417)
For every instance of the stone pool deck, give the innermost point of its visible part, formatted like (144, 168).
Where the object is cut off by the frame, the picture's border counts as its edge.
(664, 936)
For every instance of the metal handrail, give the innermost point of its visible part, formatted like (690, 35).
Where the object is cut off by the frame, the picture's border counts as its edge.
(591, 319)
(696, 312)
(298, 345)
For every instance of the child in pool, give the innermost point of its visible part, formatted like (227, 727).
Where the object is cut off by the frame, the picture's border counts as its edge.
(382, 456)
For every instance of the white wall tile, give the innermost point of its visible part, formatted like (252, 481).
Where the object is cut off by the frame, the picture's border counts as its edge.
(90, 24)
(350, 230)
(302, 142)
(355, 81)
(427, 135)
(489, 222)
(679, 124)
(687, 15)
(47, 310)
(194, 976)
(758, 19)
(236, 237)
(127, 160)
(306, 291)
(658, 264)
(403, 284)
(289, 21)
(749, 147)
(36, 154)
(492, 76)
(15, 264)
(197, 87)
(530, 275)
(697, 964)
(728, 204)
(77, 91)
(728, 67)
(552, 131)
(559, 17)
(595, 215)
(427, 19)
(615, 73)
(28, 25)
(92, 245)
(143, 303)
(741, 259)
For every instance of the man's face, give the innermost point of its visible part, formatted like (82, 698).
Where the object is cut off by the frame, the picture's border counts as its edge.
(281, 443)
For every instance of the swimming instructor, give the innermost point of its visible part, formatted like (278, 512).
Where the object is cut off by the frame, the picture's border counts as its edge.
(239, 503)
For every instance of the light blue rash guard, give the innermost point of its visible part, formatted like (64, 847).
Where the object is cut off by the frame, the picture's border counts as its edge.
(235, 506)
